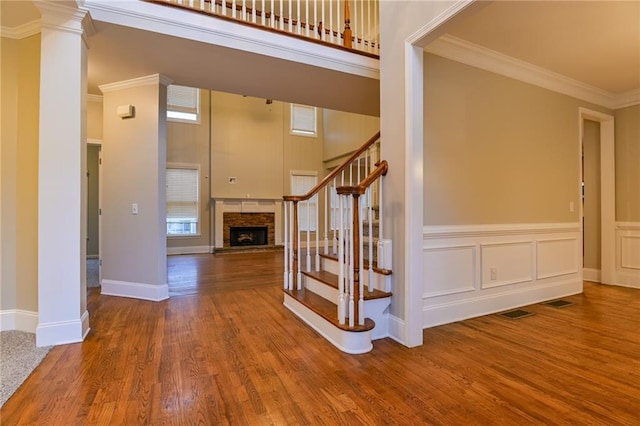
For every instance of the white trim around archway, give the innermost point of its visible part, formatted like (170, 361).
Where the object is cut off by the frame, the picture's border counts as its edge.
(607, 191)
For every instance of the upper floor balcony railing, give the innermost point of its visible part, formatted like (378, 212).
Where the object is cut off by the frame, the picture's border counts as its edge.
(351, 24)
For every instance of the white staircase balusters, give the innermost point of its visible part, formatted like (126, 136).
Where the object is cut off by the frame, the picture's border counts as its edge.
(360, 282)
(328, 209)
(351, 260)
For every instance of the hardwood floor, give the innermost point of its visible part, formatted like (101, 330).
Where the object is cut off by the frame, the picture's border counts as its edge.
(227, 352)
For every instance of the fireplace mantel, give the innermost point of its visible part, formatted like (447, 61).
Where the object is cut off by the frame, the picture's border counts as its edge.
(245, 205)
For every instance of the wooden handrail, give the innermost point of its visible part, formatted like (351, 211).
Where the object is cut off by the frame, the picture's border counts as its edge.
(313, 191)
(381, 170)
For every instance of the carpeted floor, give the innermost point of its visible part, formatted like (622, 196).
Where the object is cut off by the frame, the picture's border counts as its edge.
(19, 356)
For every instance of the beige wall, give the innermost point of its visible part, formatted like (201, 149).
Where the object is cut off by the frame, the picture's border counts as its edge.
(93, 194)
(627, 143)
(94, 119)
(301, 152)
(246, 144)
(591, 209)
(497, 150)
(189, 144)
(345, 132)
(19, 178)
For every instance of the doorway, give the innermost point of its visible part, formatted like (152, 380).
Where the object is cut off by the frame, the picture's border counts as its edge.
(607, 188)
(93, 215)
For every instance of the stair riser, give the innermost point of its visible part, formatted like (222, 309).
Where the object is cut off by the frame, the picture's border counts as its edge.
(376, 309)
(380, 282)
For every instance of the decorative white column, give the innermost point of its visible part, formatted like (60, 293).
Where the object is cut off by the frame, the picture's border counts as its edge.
(62, 300)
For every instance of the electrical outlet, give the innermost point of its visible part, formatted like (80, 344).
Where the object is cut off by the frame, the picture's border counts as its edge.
(494, 274)
(572, 206)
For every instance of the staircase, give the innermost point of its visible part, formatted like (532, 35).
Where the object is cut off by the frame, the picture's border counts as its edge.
(340, 284)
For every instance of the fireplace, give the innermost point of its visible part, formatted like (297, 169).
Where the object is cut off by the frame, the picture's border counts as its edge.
(248, 236)
(248, 229)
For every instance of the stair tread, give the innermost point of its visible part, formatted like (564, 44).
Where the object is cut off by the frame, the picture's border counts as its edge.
(327, 310)
(381, 271)
(331, 279)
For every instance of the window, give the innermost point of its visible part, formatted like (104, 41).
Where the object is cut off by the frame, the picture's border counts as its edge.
(182, 200)
(303, 120)
(301, 183)
(183, 104)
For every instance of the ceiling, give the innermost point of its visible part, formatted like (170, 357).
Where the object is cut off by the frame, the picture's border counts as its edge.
(595, 42)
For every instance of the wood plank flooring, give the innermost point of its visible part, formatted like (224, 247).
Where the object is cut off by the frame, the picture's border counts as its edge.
(224, 351)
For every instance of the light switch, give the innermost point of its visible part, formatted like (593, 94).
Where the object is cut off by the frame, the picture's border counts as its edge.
(134, 208)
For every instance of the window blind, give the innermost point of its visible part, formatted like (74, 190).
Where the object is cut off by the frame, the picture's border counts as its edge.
(182, 200)
(182, 99)
(303, 120)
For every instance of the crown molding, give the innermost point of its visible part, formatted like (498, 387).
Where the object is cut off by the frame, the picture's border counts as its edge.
(472, 54)
(94, 98)
(627, 99)
(148, 80)
(21, 31)
(75, 20)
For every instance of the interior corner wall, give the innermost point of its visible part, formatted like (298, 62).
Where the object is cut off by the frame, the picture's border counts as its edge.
(8, 172)
(627, 147)
(344, 132)
(19, 174)
(134, 163)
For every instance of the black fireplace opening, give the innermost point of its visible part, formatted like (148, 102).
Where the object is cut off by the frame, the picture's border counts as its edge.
(247, 236)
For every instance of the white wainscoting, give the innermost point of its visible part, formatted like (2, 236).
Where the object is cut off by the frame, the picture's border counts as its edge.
(476, 270)
(628, 254)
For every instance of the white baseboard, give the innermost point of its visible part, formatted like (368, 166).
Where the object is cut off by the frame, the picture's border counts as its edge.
(460, 310)
(62, 332)
(189, 250)
(151, 292)
(18, 319)
(589, 274)
(397, 329)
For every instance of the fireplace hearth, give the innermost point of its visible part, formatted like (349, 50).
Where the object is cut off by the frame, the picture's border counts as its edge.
(248, 236)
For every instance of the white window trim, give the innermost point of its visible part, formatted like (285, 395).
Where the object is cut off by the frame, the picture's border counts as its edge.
(190, 166)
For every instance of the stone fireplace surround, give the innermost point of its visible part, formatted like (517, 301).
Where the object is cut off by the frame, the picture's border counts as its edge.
(260, 211)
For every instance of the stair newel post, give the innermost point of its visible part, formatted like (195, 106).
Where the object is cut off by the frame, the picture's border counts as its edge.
(341, 271)
(317, 220)
(358, 257)
(370, 241)
(327, 211)
(352, 305)
(347, 34)
(286, 246)
(297, 276)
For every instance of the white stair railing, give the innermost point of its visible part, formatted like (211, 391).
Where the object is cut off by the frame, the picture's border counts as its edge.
(353, 23)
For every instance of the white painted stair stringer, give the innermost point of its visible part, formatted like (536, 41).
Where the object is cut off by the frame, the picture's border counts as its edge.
(347, 341)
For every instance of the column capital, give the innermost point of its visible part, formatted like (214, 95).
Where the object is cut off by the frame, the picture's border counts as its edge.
(66, 16)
